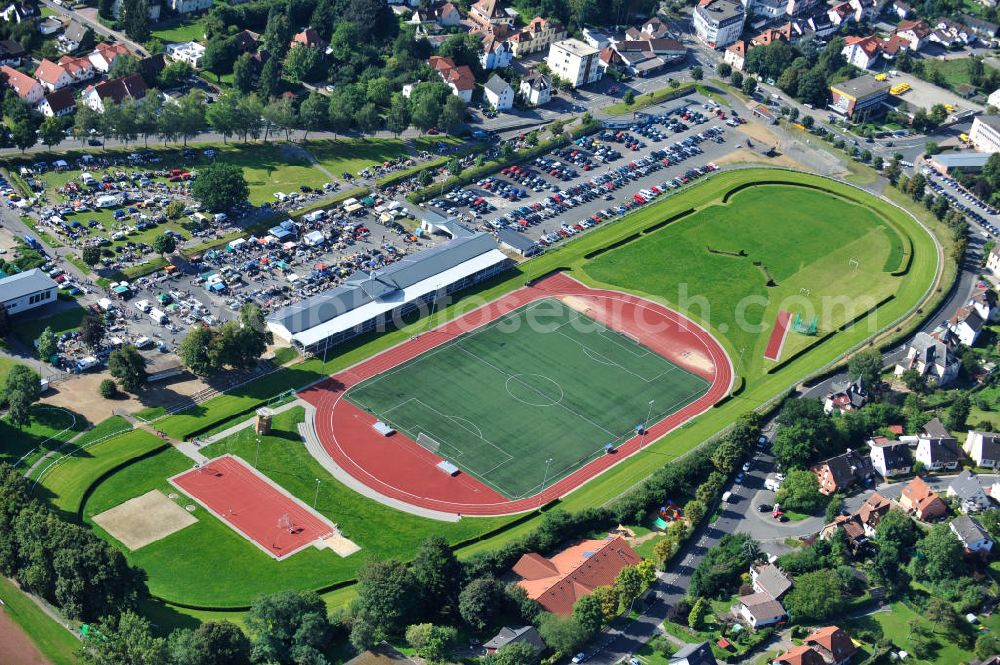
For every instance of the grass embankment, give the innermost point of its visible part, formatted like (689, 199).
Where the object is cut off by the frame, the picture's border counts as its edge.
(56, 643)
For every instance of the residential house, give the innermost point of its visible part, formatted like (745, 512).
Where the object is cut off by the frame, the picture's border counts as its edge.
(841, 13)
(890, 457)
(759, 610)
(52, 76)
(985, 30)
(821, 25)
(654, 28)
(833, 643)
(436, 16)
(574, 61)
(50, 25)
(188, 6)
(949, 33)
(930, 358)
(556, 583)
(308, 38)
(968, 493)
(993, 260)
(11, 52)
(57, 104)
(768, 578)
(916, 33)
(735, 55)
(189, 52)
(864, 10)
(599, 39)
(770, 35)
(498, 93)
(79, 68)
(247, 41)
(985, 133)
(536, 88)
(104, 55)
(521, 635)
(637, 58)
(20, 12)
(693, 654)
(719, 23)
(862, 52)
(114, 91)
(972, 535)
(839, 473)
(871, 512)
(799, 655)
(845, 396)
(853, 528)
(769, 9)
(918, 498)
(983, 448)
(497, 52)
(490, 14)
(936, 448)
(984, 302)
(151, 66)
(901, 9)
(28, 89)
(537, 36)
(966, 324)
(460, 78)
(71, 38)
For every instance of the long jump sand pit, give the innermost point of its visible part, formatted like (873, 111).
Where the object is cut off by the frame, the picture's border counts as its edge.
(144, 520)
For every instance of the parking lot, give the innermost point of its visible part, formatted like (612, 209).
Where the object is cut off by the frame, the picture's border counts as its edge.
(984, 218)
(601, 176)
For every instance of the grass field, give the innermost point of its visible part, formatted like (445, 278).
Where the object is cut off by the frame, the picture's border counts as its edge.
(353, 155)
(806, 248)
(49, 428)
(760, 386)
(192, 31)
(56, 643)
(955, 72)
(540, 384)
(67, 319)
(184, 566)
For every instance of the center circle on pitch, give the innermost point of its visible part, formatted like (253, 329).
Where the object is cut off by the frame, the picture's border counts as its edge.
(534, 389)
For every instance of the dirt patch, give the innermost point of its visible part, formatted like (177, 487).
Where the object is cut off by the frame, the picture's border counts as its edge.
(759, 132)
(79, 394)
(15, 647)
(144, 520)
(341, 545)
(744, 156)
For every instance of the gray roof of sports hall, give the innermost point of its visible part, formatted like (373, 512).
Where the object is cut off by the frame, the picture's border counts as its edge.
(363, 287)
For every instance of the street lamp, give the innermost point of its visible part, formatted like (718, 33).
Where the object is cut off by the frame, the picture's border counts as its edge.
(545, 479)
(645, 423)
(256, 458)
(316, 495)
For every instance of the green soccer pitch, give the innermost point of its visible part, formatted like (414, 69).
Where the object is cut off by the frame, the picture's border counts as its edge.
(543, 382)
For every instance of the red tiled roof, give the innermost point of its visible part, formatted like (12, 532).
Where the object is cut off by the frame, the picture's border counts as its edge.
(834, 641)
(574, 572)
(800, 655)
(117, 90)
(49, 72)
(19, 81)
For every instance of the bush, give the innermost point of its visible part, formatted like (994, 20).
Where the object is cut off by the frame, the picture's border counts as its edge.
(108, 389)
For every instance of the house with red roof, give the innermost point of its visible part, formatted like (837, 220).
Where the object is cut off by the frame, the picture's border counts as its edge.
(52, 75)
(800, 655)
(556, 583)
(27, 88)
(308, 37)
(459, 78)
(57, 104)
(104, 55)
(114, 91)
(81, 69)
(833, 644)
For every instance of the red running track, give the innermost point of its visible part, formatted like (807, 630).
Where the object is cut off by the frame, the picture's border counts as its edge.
(399, 468)
(253, 505)
(778, 334)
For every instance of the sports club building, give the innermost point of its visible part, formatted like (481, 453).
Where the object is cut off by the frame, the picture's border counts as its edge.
(367, 301)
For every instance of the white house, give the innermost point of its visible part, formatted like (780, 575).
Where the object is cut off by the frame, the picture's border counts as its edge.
(983, 448)
(52, 76)
(971, 497)
(972, 534)
(188, 6)
(27, 290)
(57, 104)
(536, 88)
(890, 458)
(189, 52)
(575, 61)
(28, 89)
(718, 23)
(759, 610)
(499, 94)
(966, 324)
(936, 448)
(930, 358)
(735, 54)
(104, 55)
(984, 302)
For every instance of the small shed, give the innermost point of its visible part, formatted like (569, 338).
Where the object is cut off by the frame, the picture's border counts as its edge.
(447, 467)
(383, 428)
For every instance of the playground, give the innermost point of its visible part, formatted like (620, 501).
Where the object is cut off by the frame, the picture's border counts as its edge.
(524, 399)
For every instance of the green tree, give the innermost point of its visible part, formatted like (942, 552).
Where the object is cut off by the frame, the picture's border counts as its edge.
(91, 331)
(398, 117)
(135, 19)
(433, 643)
(303, 64)
(562, 633)
(367, 118)
(628, 98)
(696, 618)
(481, 602)
(866, 365)
(197, 352)
(723, 69)
(987, 646)
(23, 135)
(48, 343)
(452, 115)
(269, 82)
(438, 575)
(628, 584)
(220, 54)
(749, 85)
(800, 492)
(108, 389)
(939, 556)
(697, 73)
(164, 244)
(288, 628)
(243, 73)
(387, 596)
(958, 413)
(91, 255)
(124, 639)
(124, 65)
(128, 366)
(814, 598)
(514, 653)
(174, 75)
(589, 614)
(51, 131)
(220, 186)
(21, 390)
(211, 643)
(313, 112)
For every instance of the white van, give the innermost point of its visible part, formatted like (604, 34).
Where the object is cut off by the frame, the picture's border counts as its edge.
(143, 343)
(726, 497)
(157, 316)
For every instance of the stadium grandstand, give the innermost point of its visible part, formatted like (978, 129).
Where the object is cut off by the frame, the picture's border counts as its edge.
(367, 301)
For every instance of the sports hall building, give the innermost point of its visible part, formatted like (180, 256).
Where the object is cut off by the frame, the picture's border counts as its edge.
(367, 301)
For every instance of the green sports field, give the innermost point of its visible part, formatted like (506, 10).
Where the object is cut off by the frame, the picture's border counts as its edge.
(543, 382)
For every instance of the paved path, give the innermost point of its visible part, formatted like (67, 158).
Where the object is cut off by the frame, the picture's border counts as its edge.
(308, 432)
(218, 436)
(188, 448)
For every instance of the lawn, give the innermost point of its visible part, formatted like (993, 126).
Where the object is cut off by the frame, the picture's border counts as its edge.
(50, 427)
(913, 288)
(708, 265)
(66, 320)
(954, 72)
(192, 31)
(353, 155)
(184, 566)
(895, 627)
(486, 398)
(56, 643)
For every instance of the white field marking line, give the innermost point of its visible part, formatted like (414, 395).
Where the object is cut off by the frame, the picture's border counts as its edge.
(403, 426)
(514, 377)
(457, 420)
(412, 362)
(612, 335)
(54, 436)
(587, 351)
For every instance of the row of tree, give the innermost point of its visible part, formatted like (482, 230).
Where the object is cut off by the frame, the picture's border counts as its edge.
(236, 344)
